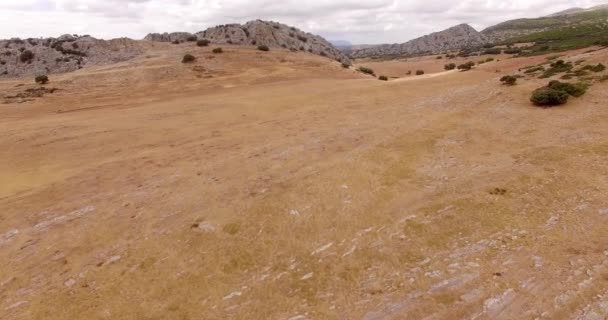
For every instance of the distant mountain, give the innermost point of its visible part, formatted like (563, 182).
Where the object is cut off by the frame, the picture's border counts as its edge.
(574, 17)
(454, 38)
(340, 43)
(258, 32)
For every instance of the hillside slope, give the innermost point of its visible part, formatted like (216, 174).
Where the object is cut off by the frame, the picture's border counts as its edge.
(258, 32)
(457, 37)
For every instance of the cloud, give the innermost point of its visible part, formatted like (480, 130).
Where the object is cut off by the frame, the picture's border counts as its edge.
(371, 21)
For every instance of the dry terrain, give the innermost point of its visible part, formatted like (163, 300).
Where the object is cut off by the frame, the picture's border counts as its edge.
(278, 185)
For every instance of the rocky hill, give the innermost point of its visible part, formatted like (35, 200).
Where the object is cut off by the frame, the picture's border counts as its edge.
(258, 32)
(457, 37)
(67, 53)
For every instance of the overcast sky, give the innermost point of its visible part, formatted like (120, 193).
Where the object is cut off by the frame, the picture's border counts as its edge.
(358, 21)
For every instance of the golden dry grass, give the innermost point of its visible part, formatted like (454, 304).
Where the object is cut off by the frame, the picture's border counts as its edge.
(274, 185)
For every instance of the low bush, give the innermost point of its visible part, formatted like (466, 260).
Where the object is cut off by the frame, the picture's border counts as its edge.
(175, 42)
(366, 70)
(439, 57)
(383, 78)
(534, 69)
(419, 72)
(263, 48)
(345, 65)
(42, 79)
(512, 51)
(191, 38)
(409, 72)
(548, 97)
(188, 58)
(556, 67)
(203, 43)
(450, 66)
(217, 50)
(26, 56)
(508, 80)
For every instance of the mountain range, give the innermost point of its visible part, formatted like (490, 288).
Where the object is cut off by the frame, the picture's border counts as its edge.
(568, 25)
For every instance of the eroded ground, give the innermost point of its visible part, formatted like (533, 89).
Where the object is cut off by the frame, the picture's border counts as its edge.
(278, 185)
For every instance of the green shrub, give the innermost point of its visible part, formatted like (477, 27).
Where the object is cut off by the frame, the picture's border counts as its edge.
(188, 58)
(263, 48)
(366, 70)
(450, 66)
(383, 78)
(191, 38)
(203, 43)
(573, 89)
(26, 56)
(439, 57)
(508, 80)
(42, 79)
(512, 51)
(217, 50)
(419, 72)
(345, 65)
(489, 59)
(548, 97)
(558, 66)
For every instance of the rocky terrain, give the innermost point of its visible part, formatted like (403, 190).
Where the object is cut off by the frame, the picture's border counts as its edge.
(454, 38)
(63, 54)
(258, 32)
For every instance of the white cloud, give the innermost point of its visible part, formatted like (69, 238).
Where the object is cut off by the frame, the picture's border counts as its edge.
(371, 21)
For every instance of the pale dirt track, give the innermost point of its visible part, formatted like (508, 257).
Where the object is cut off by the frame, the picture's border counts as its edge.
(280, 186)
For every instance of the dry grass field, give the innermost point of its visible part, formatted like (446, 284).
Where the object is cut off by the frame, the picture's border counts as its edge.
(278, 185)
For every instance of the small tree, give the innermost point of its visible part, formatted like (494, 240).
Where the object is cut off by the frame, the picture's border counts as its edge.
(188, 58)
(202, 43)
(42, 79)
(508, 80)
(419, 72)
(263, 48)
(218, 50)
(383, 78)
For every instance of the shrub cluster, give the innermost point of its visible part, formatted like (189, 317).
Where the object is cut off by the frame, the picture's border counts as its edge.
(450, 66)
(383, 78)
(556, 67)
(26, 56)
(492, 51)
(263, 48)
(557, 93)
(217, 50)
(419, 72)
(191, 38)
(598, 68)
(366, 70)
(466, 66)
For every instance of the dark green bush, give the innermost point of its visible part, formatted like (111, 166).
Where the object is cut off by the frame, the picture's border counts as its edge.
(419, 72)
(383, 78)
(535, 69)
(345, 65)
(508, 80)
(548, 97)
(366, 70)
(191, 38)
(188, 58)
(598, 68)
(217, 50)
(450, 66)
(556, 67)
(263, 48)
(573, 89)
(26, 56)
(512, 51)
(492, 51)
(203, 43)
(42, 79)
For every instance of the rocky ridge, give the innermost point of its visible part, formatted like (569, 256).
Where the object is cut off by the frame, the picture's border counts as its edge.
(258, 32)
(454, 38)
(63, 54)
